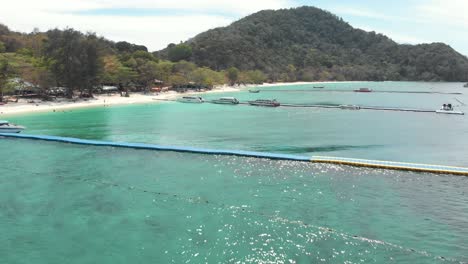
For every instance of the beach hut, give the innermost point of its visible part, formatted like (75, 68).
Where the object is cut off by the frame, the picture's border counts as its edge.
(157, 86)
(109, 89)
(158, 83)
(24, 88)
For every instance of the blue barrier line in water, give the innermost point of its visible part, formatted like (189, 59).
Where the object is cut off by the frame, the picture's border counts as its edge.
(160, 148)
(275, 156)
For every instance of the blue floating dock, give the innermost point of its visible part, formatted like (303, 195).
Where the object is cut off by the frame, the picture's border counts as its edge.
(240, 153)
(439, 169)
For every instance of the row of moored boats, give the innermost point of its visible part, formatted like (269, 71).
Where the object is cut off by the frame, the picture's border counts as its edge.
(446, 108)
(7, 127)
(229, 100)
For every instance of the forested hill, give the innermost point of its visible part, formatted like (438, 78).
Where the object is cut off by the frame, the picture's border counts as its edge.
(308, 43)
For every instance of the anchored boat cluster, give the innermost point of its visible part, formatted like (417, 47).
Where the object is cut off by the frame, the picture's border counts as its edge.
(229, 100)
(446, 108)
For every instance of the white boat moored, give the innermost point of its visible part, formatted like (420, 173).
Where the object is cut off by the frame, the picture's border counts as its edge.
(7, 127)
(449, 112)
(350, 107)
(263, 102)
(225, 100)
(448, 109)
(191, 99)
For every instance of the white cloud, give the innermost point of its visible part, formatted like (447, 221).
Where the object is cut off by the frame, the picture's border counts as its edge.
(376, 15)
(397, 37)
(360, 12)
(445, 12)
(415, 21)
(235, 7)
(406, 39)
(153, 31)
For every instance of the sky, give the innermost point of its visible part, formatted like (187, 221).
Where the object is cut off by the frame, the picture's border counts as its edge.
(156, 23)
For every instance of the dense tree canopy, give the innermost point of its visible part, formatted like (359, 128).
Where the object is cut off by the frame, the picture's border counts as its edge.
(233, 75)
(2, 47)
(124, 46)
(75, 59)
(78, 64)
(179, 52)
(6, 72)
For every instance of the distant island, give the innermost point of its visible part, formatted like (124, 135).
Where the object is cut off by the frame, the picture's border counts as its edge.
(288, 45)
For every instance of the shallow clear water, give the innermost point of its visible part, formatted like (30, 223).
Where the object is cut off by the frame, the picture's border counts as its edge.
(62, 203)
(399, 136)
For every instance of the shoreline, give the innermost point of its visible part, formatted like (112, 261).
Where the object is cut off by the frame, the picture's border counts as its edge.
(23, 107)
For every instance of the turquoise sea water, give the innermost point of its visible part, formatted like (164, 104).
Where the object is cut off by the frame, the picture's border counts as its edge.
(399, 136)
(61, 203)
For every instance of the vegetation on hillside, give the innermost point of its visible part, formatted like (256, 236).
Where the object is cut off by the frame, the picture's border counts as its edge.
(310, 44)
(70, 63)
(300, 44)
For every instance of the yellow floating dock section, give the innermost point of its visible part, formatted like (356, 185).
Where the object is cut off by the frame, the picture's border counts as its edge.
(389, 165)
(392, 165)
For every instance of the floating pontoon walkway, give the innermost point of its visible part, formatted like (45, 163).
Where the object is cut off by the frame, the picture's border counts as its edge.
(275, 156)
(353, 91)
(391, 165)
(376, 108)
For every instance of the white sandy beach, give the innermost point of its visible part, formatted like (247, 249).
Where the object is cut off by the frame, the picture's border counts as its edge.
(23, 106)
(27, 106)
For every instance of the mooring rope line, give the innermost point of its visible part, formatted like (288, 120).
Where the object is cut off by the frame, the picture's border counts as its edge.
(376, 108)
(240, 209)
(353, 91)
(462, 104)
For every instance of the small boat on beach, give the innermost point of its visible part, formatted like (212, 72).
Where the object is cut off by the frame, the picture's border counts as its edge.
(350, 107)
(363, 90)
(191, 99)
(254, 91)
(225, 100)
(448, 109)
(7, 127)
(264, 102)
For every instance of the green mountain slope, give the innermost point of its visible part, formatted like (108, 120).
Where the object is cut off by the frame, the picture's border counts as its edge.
(308, 43)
